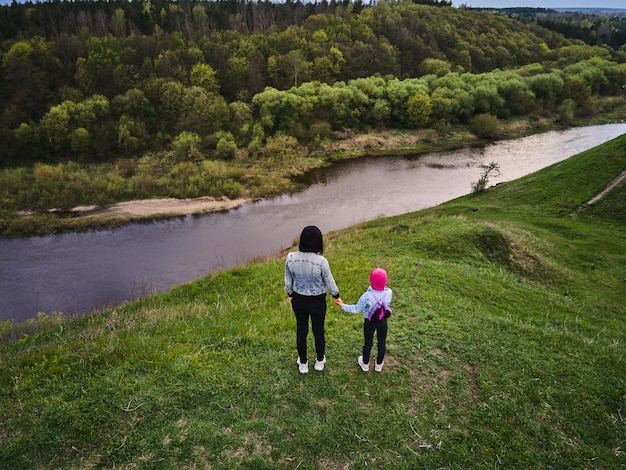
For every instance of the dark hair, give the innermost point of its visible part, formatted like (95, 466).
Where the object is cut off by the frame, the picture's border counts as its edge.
(311, 240)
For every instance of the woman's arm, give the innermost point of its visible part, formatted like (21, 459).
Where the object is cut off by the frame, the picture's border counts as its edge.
(329, 280)
(288, 279)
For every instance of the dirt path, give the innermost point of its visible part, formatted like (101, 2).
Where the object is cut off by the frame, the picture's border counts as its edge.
(611, 185)
(145, 208)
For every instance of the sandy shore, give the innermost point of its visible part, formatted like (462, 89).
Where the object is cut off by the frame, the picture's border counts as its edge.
(145, 208)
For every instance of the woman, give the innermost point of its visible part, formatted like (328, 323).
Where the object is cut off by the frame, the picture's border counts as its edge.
(307, 278)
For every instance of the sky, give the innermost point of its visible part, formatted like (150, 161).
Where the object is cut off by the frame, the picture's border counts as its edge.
(621, 4)
(542, 3)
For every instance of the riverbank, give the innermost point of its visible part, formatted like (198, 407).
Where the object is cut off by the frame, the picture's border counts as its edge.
(248, 181)
(505, 349)
(167, 207)
(255, 180)
(77, 273)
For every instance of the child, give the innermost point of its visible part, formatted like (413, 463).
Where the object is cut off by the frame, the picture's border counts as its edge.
(367, 301)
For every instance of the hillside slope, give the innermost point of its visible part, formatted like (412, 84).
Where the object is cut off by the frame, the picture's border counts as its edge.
(506, 350)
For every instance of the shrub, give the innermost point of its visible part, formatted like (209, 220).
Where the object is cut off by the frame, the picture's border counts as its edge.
(126, 167)
(567, 111)
(186, 146)
(280, 146)
(226, 146)
(418, 109)
(485, 126)
(480, 185)
(80, 140)
(319, 131)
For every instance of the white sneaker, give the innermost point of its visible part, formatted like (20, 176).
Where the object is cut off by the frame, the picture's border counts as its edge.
(378, 367)
(303, 368)
(364, 366)
(319, 365)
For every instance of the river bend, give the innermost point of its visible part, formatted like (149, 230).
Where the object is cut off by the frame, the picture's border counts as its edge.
(75, 273)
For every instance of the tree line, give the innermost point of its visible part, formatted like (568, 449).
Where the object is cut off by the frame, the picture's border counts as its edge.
(96, 81)
(593, 26)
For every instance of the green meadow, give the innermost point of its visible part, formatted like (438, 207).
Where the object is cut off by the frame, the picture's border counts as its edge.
(506, 350)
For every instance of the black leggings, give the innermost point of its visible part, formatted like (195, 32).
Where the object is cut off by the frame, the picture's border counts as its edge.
(315, 307)
(381, 335)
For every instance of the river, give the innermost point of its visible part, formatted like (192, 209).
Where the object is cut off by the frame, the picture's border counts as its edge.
(76, 273)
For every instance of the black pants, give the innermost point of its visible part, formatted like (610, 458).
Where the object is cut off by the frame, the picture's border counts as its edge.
(380, 327)
(314, 307)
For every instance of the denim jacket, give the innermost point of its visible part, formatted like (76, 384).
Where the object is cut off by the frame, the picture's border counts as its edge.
(368, 300)
(308, 274)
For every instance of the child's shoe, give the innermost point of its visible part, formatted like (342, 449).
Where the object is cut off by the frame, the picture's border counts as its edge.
(363, 365)
(378, 367)
(319, 365)
(303, 368)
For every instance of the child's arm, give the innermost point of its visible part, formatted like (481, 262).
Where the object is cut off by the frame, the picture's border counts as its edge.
(355, 308)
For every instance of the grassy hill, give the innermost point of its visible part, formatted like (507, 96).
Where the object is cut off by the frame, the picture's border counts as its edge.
(506, 350)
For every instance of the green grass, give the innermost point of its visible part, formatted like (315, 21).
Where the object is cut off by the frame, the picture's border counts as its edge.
(506, 350)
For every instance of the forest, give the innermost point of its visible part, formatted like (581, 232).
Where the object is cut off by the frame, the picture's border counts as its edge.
(207, 83)
(594, 26)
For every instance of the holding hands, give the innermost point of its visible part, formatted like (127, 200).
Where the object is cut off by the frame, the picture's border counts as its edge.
(338, 301)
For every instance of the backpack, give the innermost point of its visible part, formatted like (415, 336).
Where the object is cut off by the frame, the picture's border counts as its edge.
(380, 310)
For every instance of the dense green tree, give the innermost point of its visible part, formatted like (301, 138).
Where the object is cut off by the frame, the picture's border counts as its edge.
(547, 88)
(28, 143)
(73, 128)
(235, 83)
(186, 146)
(433, 66)
(576, 53)
(590, 72)
(226, 145)
(398, 93)
(419, 109)
(241, 121)
(204, 76)
(202, 112)
(287, 70)
(204, 67)
(176, 63)
(615, 74)
(486, 98)
(278, 110)
(451, 99)
(101, 71)
(327, 67)
(133, 135)
(200, 20)
(119, 26)
(80, 141)
(56, 126)
(133, 103)
(29, 75)
(576, 89)
(167, 97)
(518, 97)
(376, 56)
